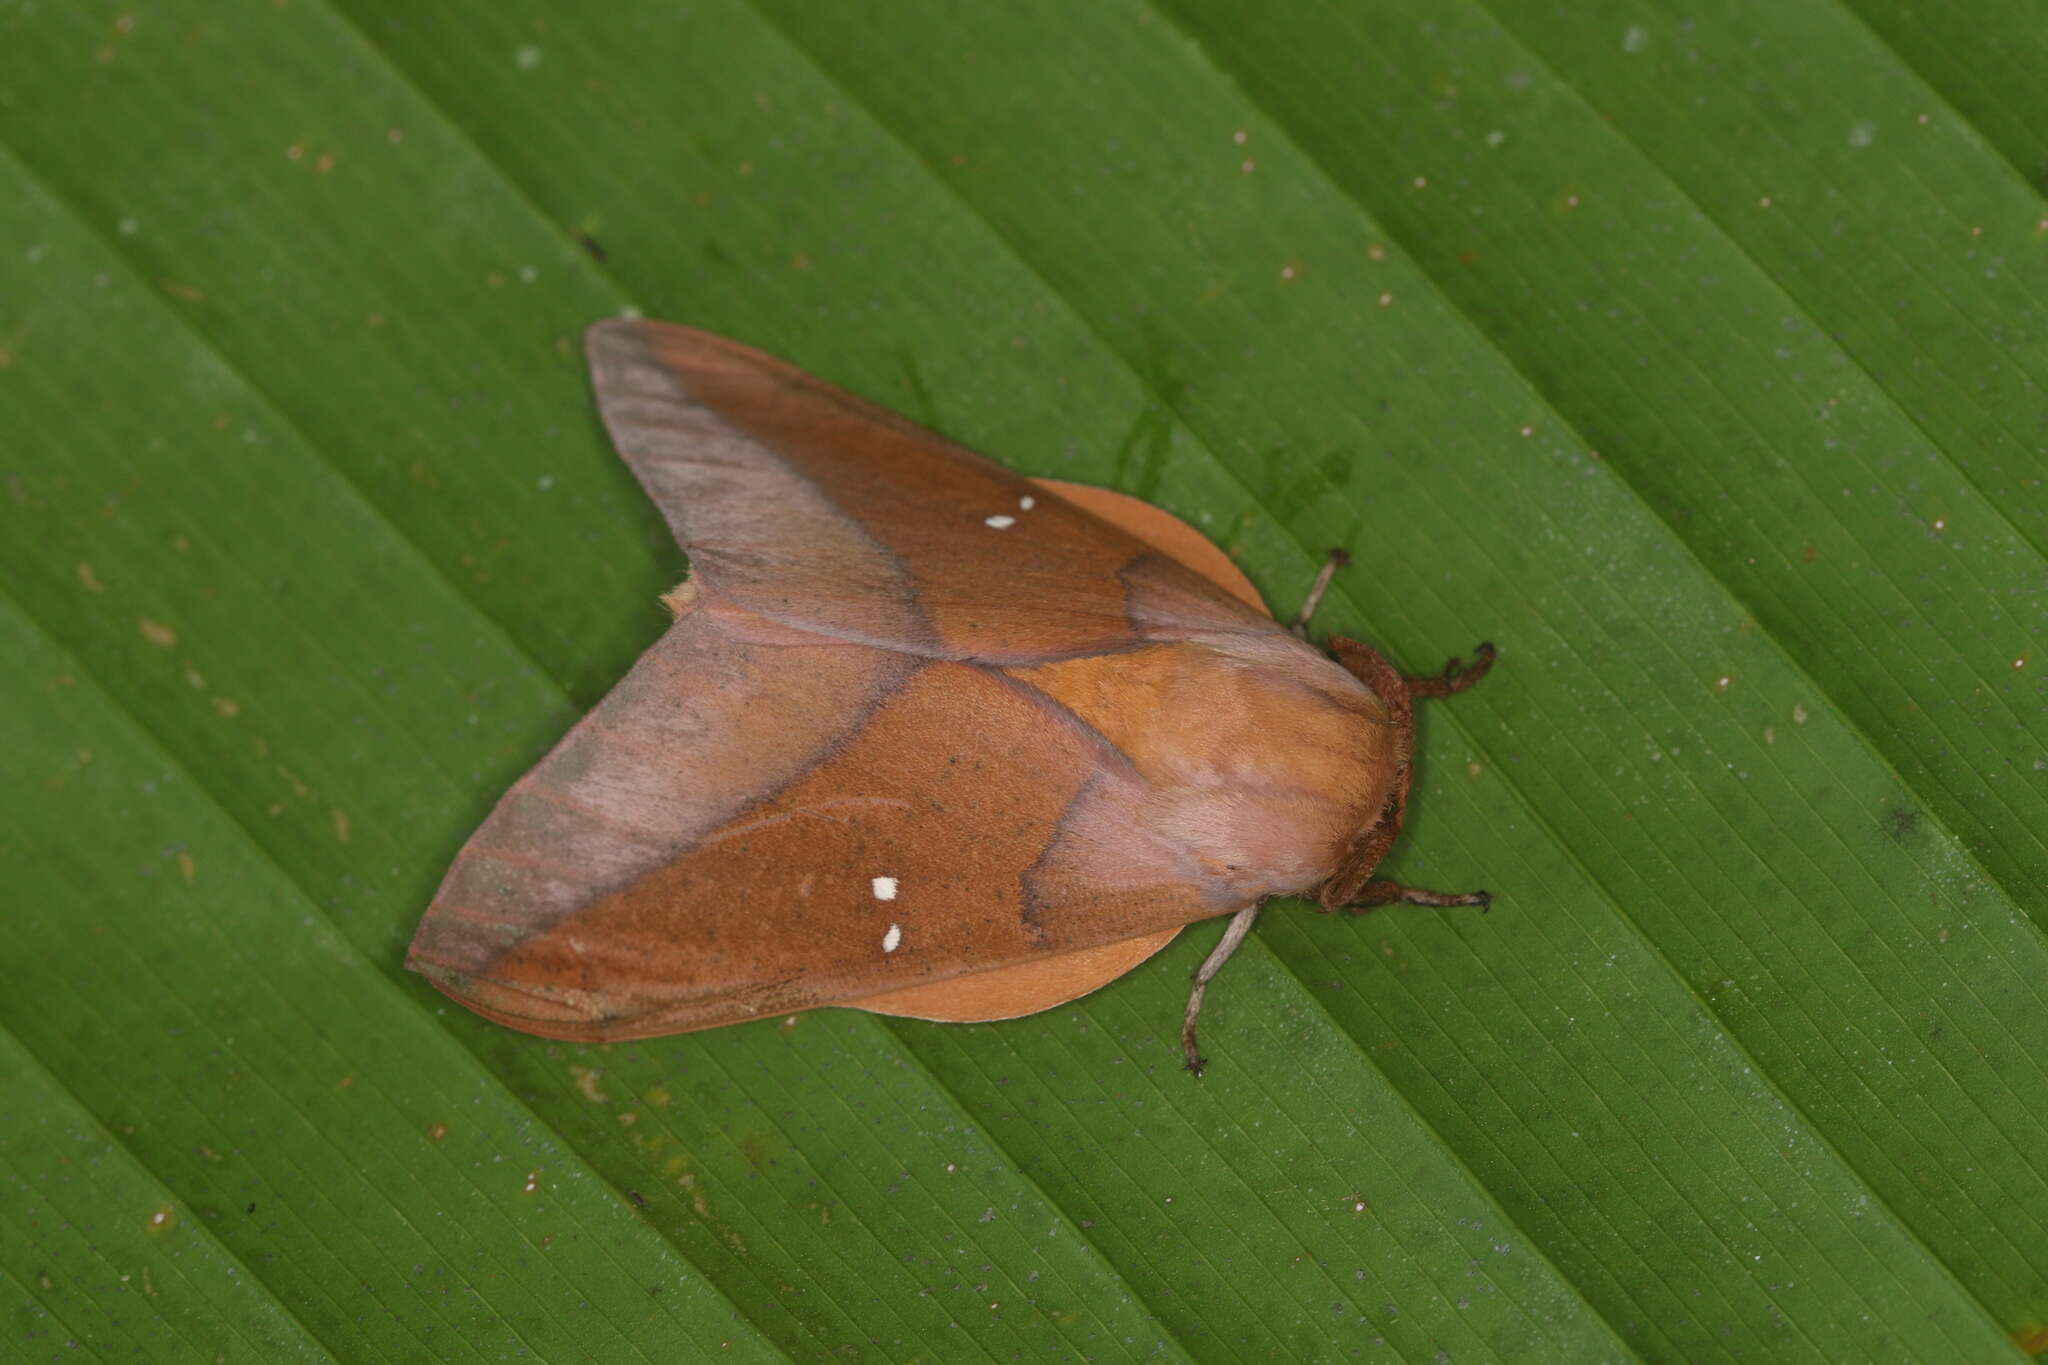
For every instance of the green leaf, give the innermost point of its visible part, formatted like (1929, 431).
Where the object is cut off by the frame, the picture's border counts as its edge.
(1695, 355)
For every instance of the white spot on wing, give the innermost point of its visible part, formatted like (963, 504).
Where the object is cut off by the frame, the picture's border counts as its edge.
(885, 888)
(892, 939)
(999, 522)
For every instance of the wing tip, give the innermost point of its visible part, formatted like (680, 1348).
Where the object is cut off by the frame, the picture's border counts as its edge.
(611, 341)
(623, 324)
(544, 1013)
(619, 343)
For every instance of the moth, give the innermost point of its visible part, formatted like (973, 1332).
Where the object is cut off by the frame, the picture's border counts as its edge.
(924, 737)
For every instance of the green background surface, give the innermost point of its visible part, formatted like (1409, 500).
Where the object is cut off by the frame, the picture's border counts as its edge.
(1696, 354)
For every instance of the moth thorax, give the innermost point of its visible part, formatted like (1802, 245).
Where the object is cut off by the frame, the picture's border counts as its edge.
(1262, 762)
(1272, 804)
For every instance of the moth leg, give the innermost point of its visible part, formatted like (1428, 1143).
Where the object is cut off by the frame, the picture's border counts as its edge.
(1456, 677)
(1380, 891)
(1337, 560)
(1233, 936)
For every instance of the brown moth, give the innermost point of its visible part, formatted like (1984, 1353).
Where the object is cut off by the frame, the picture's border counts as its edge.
(925, 738)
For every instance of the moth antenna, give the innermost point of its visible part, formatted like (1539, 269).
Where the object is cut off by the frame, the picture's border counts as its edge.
(1233, 937)
(1457, 675)
(1382, 892)
(1338, 559)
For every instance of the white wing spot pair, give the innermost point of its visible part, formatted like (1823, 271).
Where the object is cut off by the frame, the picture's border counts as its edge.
(1003, 522)
(885, 890)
